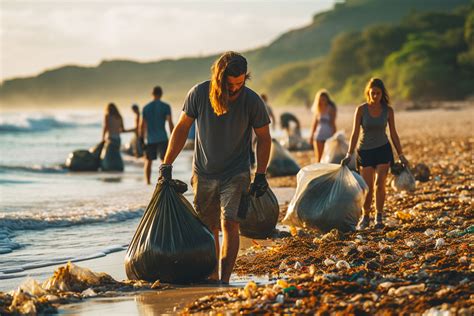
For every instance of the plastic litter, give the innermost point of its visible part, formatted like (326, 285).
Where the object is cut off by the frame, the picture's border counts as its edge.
(75, 279)
(262, 216)
(429, 232)
(170, 244)
(329, 262)
(342, 264)
(439, 243)
(407, 290)
(327, 196)
(335, 149)
(281, 163)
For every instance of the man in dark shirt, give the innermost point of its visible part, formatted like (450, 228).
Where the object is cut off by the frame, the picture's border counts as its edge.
(226, 112)
(155, 115)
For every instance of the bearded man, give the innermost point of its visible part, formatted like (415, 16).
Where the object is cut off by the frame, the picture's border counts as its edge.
(226, 112)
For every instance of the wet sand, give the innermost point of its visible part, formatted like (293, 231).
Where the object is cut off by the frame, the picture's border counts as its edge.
(442, 140)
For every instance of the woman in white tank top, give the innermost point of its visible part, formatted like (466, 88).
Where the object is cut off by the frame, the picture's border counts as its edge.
(324, 122)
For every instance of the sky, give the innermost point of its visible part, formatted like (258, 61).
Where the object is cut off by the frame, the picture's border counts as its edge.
(37, 35)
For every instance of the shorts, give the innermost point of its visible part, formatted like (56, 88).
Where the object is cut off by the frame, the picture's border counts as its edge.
(375, 156)
(216, 199)
(153, 149)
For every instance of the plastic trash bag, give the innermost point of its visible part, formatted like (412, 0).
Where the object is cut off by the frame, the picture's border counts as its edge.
(403, 179)
(294, 142)
(281, 163)
(335, 149)
(110, 158)
(170, 244)
(134, 148)
(82, 160)
(327, 196)
(262, 216)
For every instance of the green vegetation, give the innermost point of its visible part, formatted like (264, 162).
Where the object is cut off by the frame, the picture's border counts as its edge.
(422, 54)
(429, 56)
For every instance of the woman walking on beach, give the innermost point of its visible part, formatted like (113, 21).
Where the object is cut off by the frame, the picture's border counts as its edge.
(324, 122)
(111, 160)
(374, 152)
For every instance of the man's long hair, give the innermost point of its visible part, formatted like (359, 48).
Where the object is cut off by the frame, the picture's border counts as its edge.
(229, 64)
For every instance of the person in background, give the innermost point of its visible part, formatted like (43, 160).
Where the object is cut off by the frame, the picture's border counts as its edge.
(226, 112)
(269, 110)
(137, 148)
(324, 122)
(286, 119)
(152, 126)
(374, 152)
(113, 124)
(110, 157)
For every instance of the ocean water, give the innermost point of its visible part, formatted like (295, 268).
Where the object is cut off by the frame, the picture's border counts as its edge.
(49, 215)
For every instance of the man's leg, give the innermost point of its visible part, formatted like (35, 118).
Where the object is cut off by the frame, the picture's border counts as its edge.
(147, 169)
(230, 195)
(207, 205)
(230, 248)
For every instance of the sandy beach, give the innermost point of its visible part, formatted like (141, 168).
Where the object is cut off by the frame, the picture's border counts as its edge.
(380, 262)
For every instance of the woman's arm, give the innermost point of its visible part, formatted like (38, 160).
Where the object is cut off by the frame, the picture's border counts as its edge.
(105, 127)
(355, 130)
(333, 120)
(314, 125)
(394, 135)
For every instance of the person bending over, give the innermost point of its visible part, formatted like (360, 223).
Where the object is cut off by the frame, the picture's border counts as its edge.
(225, 112)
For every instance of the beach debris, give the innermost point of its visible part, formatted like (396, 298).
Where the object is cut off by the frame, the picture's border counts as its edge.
(329, 262)
(342, 264)
(421, 172)
(281, 163)
(429, 232)
(407, 290)
(439, 243)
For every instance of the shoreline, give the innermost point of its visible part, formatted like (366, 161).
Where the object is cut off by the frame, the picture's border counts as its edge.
(443, 140)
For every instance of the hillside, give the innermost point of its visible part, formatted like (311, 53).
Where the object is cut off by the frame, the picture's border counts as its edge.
(296, 55)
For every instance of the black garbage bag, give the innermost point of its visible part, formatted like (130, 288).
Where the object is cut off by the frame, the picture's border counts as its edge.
(422, 172)
(262, 216)
(170, 244)
(96, 150)
(327, 196)
(281, 163)
(110, 157)
(82, 160)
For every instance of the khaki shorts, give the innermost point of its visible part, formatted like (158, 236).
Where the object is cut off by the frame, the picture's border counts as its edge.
(219, 199)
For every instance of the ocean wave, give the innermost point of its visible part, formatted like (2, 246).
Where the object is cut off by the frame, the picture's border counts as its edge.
(15, 123)
(35, 168)
(12, 222)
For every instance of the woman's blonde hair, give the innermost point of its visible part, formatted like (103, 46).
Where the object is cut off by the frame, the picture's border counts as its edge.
(229, 64)
(377, 83)
(316, 108)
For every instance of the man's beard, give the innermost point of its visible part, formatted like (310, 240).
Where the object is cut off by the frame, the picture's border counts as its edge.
(236, 92)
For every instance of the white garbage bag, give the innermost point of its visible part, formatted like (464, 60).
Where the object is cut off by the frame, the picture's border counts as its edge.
(335, 149)
(327, 196)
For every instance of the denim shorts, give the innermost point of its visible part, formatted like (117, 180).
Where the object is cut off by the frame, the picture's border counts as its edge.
(216, 199)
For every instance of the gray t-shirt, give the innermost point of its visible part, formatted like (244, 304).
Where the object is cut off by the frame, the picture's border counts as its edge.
(222, 143)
